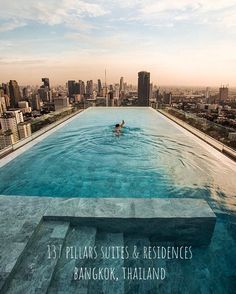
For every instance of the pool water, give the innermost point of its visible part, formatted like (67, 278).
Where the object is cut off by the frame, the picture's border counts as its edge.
(151, 158)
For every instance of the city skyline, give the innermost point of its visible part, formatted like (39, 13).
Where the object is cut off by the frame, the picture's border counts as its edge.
(181, 44)
(98, 80)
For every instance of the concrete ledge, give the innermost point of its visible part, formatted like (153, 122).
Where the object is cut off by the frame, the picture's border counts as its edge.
(183, 221)
(173, 219)
(129, 207)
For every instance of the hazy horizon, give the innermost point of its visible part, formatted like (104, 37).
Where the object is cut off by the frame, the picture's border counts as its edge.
(182, 43)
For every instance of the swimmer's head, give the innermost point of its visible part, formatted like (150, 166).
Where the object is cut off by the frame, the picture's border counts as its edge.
(117, 125)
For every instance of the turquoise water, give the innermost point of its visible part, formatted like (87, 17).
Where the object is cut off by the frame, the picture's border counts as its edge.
(151, 158)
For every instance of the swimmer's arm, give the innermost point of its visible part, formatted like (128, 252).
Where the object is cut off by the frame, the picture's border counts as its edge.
(122, 124)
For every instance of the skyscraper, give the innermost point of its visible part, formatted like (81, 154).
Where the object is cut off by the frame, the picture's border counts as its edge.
(26, 93)
(143, 88)
(82, 87)
(5, 88)
(223, 93)
(46, 83)
(151, 91)
(15, 95)
(89, 88)
(3, 106)
(99, 88)
(44, 94)
(44, 91)
(121, 84)
(71, 85)
(36, 105)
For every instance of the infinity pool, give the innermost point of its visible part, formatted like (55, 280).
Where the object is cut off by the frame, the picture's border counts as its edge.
(152, 157)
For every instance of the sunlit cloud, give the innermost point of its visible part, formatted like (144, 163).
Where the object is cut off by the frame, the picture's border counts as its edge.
(182, 41)
(51, 12)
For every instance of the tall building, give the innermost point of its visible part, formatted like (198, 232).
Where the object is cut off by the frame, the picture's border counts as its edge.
(46, 83)
(26, 93)
(61, 102)
(157, 95)
(24, 130)
(99, 87)
(76, 88)
(70, 86)
(82, 87)
(223, 93)
(121, 84)
(44, 91)
(89, 87)
(15, 95)
(6, 90)
(9, 122)
(36, 102)
(44, 94)
(151, 91)
(143, 88)
(3, 106)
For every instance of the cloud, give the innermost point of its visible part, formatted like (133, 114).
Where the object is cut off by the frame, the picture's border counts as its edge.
(163, 12)
(182, 37)
(77, 14)
(50, 12)
(9, 26)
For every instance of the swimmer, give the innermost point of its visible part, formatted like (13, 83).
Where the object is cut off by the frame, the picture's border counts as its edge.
(118, 128)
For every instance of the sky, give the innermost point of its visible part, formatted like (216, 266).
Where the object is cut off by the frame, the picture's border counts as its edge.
(180, 42)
